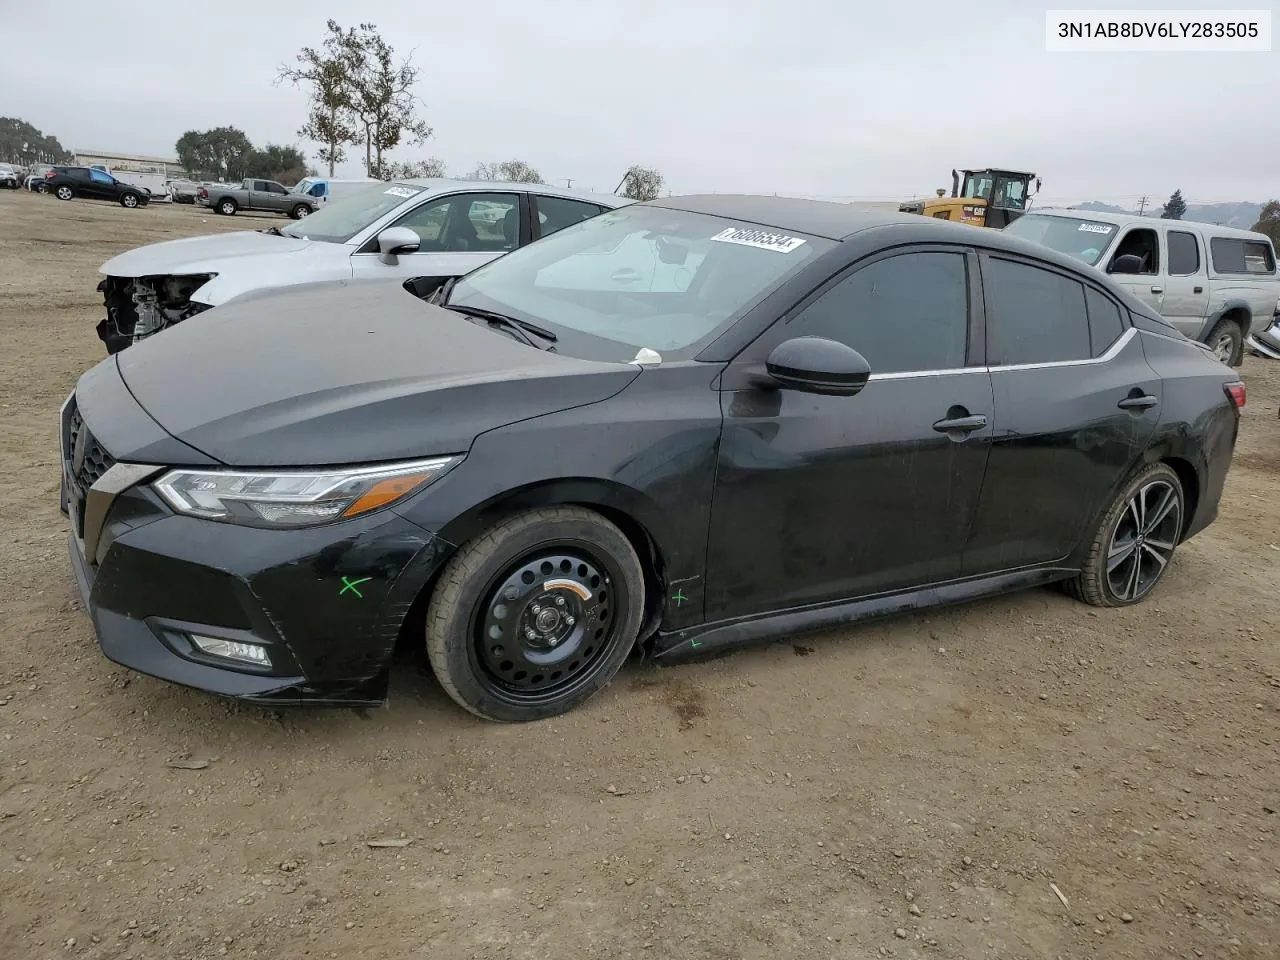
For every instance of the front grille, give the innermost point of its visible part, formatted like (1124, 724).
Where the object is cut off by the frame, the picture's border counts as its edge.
(96, 459)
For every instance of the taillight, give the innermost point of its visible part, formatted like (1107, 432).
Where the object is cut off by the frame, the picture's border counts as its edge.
(1236, 392)
(204, 193)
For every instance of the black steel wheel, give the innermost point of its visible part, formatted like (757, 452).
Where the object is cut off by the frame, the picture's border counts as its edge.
(536, 616)
(1135, 541)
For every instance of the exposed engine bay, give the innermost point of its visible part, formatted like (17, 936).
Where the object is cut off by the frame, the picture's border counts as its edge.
(142, 306)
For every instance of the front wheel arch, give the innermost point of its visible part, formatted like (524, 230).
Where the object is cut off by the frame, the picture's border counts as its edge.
(639, 519)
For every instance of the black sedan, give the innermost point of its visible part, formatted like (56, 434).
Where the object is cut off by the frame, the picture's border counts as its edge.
(67, 183)
(679, 426)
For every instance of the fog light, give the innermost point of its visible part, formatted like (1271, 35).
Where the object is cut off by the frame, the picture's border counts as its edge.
(233, 650)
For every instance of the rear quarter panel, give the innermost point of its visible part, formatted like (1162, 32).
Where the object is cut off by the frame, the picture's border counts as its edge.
(1198, 423)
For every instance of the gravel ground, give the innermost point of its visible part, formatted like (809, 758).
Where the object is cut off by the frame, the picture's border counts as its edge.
(918, 787)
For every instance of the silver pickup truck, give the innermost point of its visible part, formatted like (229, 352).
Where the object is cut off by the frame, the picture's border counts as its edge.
(255, 194)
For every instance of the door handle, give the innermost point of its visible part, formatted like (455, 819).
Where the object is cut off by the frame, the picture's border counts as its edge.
(1157, 289)
(961, 424)
(625, 275)
(1197, 290)
(1142, 402)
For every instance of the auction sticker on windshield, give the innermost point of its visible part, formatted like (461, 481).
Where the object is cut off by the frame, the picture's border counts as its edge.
(777, 242)
(402, 191)
(1095, 228)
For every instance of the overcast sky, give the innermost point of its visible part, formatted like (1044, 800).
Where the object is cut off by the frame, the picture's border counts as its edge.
(825, 98)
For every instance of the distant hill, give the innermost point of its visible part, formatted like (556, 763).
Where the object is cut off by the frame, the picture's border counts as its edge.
(1240, 215)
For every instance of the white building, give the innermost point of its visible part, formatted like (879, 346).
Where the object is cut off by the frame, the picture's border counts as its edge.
(168, 167)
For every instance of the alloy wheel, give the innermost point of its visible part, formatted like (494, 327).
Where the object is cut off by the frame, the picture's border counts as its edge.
(545, 625)
(1143, 540)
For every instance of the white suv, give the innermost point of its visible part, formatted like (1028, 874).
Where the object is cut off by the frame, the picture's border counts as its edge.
(1216, 284)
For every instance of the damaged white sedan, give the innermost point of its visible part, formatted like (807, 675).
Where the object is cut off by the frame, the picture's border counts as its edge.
(424, 231)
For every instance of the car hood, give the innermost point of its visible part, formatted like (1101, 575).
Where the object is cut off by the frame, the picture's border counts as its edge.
(348, 373)
(209, 254)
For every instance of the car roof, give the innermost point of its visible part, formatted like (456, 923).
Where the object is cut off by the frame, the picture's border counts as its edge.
(818, 218)
(440, 184)
(1127, 219)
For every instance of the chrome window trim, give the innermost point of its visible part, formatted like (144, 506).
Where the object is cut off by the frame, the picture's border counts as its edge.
(1111, 354)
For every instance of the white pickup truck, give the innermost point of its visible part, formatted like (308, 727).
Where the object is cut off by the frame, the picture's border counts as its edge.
(255, 194)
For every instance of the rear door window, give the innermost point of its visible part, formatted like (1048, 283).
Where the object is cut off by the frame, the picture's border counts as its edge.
(1033, 315)
(1184, 253)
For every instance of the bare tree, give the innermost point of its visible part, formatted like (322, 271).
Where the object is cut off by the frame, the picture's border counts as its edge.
(641, 183)
(382, 96)
(508, 171)
(414, 169)
(331, 121)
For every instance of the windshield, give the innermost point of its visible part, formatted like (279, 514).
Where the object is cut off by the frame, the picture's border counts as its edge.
(340, 220)
(1085, 240)
(639, 277)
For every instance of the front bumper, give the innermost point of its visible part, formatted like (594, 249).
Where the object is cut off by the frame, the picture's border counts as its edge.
(150, 579)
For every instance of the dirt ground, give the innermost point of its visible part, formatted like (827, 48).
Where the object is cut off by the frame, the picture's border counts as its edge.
(917, 788)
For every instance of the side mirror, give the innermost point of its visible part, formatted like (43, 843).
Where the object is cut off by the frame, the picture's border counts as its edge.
(1126, 263)
(394, 241)
(818, 365)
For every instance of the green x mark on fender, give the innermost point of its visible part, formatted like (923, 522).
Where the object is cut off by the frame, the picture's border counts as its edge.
(353, 586)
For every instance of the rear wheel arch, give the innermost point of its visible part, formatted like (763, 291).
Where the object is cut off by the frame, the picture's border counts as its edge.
(1191, 483)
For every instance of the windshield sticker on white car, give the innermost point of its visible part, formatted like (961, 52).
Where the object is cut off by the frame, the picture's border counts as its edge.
(1095, 228)
(777, 242)
(401, 192)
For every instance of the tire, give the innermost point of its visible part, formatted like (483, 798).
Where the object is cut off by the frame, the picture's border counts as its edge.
(1226, 340)
(1117, 541)
(227, 207)
(64, 192)
(300, 211)
(129, 200)
(42, 188)
(569, 577)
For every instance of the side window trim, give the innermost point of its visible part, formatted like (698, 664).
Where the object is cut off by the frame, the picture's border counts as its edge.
(776, 332)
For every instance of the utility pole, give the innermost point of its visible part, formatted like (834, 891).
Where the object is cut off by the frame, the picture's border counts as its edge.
(1142, 205)
(568, 182)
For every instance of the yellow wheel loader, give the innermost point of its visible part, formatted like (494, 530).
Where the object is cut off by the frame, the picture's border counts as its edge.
(986, 198)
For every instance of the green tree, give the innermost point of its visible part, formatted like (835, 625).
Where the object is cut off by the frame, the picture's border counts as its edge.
(22, 143)
(381, 95)
(1269, 221)
(274, 162)
(220, 152)
(1176, 208)
(642, 183)
(508, 171)
(331, 122)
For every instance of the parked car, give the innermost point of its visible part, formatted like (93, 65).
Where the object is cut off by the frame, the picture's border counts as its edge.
(182, 190)
(9, 176)
(578, 449)
(260, 195)
(324, 189)
(1266, 342)
(36, 176)
(67, 183)
(1215, 284)
(429, 230)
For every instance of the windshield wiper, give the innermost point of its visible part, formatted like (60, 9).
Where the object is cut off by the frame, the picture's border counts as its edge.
(440, 295)
(520, 328)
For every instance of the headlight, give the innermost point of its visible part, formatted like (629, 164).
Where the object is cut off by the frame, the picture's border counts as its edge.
(295, 498)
